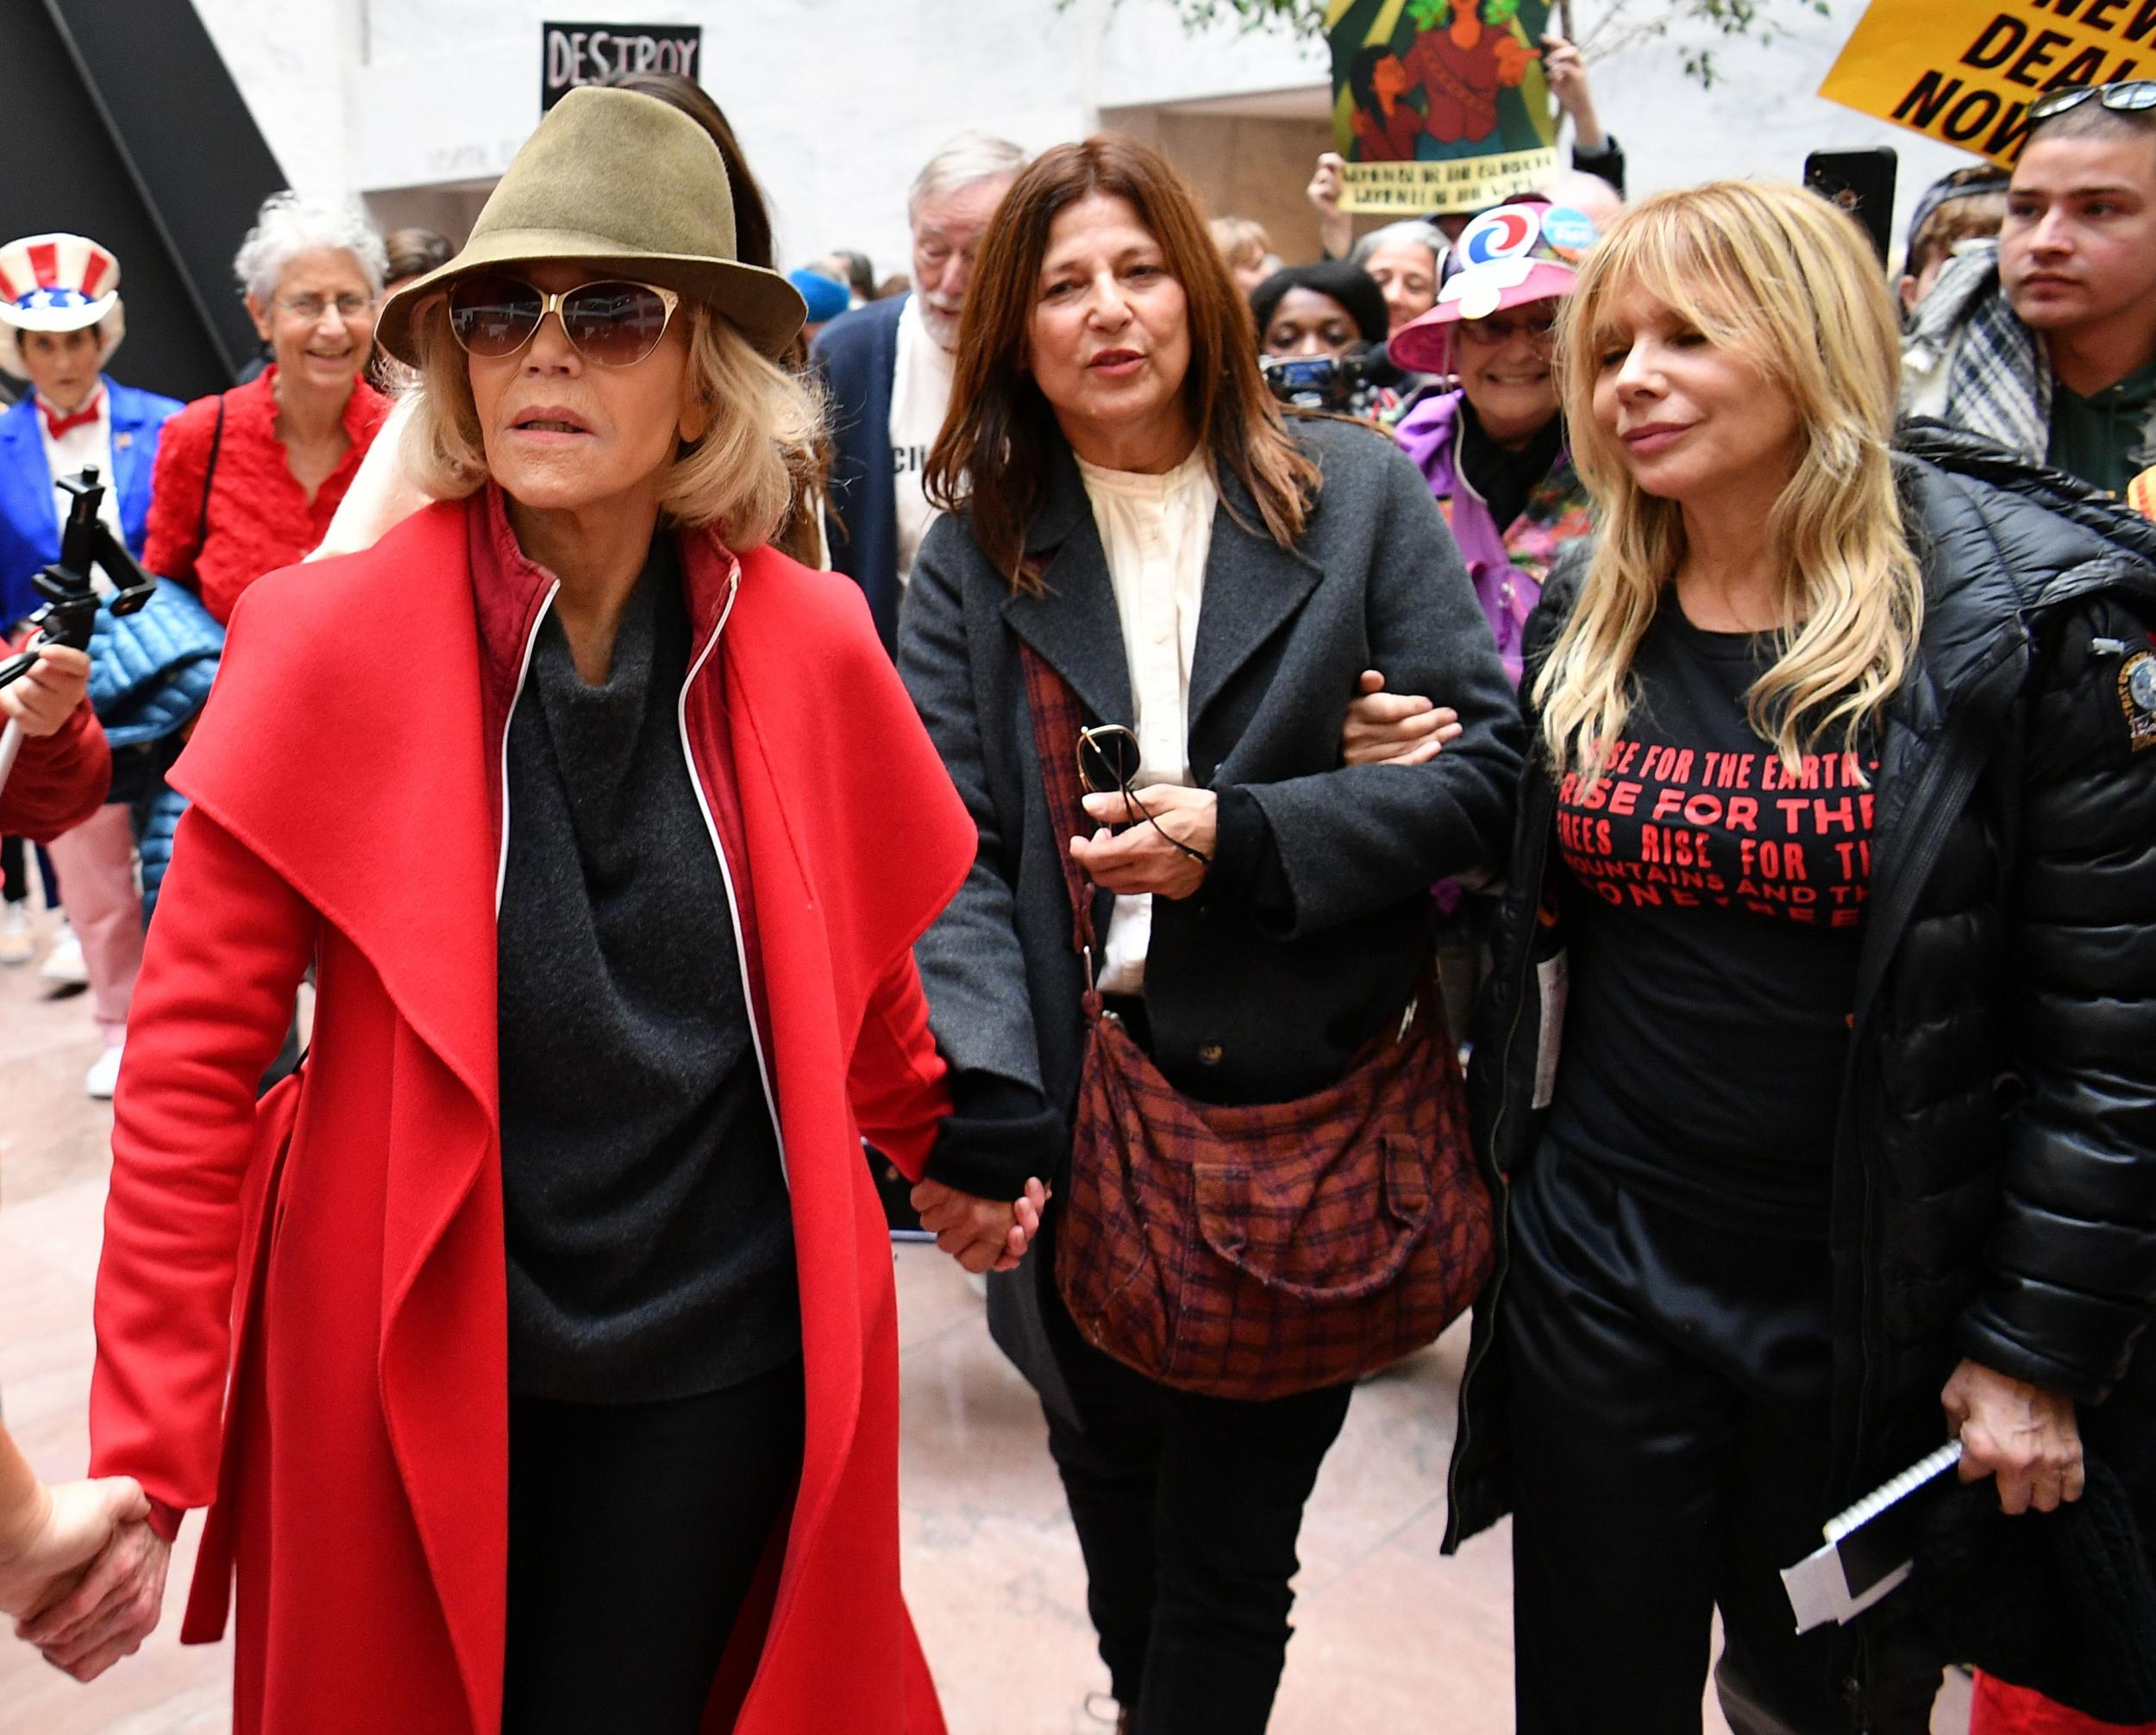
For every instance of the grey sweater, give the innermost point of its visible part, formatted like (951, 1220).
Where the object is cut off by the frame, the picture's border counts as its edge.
(650, 1247)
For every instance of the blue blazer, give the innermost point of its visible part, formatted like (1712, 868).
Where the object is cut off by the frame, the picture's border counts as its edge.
(856, 356)
(29, 518)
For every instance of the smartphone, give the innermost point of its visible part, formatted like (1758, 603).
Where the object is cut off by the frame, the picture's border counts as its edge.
(1861, 183)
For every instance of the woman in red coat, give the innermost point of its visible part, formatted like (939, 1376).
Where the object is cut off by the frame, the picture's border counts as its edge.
(534, 1348)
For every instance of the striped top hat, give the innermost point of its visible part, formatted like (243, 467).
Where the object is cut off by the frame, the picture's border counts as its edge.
(57, 282)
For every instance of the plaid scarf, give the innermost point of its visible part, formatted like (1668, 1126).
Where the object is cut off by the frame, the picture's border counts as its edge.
(1999, 379)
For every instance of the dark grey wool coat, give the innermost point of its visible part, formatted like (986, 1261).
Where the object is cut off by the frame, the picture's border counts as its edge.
(1250, 997)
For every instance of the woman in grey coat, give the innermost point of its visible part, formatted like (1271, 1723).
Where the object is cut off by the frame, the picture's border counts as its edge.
(1126, 499)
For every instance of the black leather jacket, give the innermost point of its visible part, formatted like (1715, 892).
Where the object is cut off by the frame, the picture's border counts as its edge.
(1995, 1175)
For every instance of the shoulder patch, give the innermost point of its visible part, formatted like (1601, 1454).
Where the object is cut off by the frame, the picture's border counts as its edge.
(2137, 698)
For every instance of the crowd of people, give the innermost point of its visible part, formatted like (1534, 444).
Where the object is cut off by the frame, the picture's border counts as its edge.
(1626, 648)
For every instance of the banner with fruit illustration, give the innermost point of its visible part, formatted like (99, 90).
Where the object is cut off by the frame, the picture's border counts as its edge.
(1440, 105)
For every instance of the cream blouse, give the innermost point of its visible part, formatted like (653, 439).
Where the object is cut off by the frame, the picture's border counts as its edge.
(1156, 532)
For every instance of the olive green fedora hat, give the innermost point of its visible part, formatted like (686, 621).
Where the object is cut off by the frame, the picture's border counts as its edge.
(631, 186)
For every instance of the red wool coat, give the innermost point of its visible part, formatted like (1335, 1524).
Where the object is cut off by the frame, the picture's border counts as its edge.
(345, 811)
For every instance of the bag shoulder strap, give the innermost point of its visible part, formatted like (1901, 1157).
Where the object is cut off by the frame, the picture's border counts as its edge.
(209, 476)
(1057, 717)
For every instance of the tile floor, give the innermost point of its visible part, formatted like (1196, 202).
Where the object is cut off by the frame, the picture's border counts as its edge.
(1390, 1637)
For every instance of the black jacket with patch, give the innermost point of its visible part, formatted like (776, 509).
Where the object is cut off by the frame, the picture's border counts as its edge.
(1994, 1173)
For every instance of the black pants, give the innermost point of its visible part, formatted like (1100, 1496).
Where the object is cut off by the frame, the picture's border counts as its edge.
(1669, 1388)
(15, 877)
(635, 1533)
(1187, 1509)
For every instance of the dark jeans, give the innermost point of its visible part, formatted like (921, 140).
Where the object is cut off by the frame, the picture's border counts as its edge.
(1187, 1509)
(635, 1534)
(15, 878)
(1668, 1387)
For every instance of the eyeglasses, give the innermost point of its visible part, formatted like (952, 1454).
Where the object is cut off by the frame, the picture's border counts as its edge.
(2129, 97)
(1536, 326)
(615, 324)
(1107, 763)
(350, 308)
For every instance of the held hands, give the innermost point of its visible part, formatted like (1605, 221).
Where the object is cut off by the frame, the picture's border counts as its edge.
(65, 1529)
(44, 699)
(1142, 858)
(2022, 1434)
(108, 1614)
(981, 1234)
(1394, 728)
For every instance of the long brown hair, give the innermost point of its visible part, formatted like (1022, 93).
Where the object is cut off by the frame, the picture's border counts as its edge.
(992, 459)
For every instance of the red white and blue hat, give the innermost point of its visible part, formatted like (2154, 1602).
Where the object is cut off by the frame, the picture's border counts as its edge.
(58, 283)
(1522, 251)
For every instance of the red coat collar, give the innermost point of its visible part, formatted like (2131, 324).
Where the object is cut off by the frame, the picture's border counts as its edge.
(317, 756)
(419, 733)
(510, 592)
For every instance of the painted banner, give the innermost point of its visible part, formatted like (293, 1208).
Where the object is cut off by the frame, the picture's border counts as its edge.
(1440, 105)
(1965, 71)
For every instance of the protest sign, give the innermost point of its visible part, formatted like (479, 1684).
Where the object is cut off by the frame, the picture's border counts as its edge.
(1965, 71)
(1440, 105)
(574, 54)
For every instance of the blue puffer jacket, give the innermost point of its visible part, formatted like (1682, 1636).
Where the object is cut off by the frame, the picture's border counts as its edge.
(150, 671)
(149, 674)
(158, 818)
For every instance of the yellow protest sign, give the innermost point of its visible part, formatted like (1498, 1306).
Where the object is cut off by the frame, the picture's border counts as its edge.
(1440, 105)
(1965, 71)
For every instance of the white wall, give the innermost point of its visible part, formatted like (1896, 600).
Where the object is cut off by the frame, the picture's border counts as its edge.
(839, 101)
(1760, 118)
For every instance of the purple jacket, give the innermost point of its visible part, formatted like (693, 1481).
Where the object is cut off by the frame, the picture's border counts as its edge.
(1508, 565)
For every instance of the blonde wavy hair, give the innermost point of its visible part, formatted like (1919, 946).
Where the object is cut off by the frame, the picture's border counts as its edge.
(1779, 276)
(739, 479)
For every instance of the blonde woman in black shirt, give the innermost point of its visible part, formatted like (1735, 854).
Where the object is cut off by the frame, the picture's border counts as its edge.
(1820, 1057)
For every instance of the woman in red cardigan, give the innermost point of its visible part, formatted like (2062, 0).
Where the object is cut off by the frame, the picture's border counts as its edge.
(552, 1298)
(247, 481)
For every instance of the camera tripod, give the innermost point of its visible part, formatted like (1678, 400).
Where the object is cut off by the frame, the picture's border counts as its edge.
(87, 544)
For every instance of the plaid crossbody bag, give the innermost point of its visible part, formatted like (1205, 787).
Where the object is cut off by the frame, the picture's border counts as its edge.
(1256, 1251)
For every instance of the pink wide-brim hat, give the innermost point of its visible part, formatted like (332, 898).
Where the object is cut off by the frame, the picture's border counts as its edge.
(1525, 250)
(1424, 344)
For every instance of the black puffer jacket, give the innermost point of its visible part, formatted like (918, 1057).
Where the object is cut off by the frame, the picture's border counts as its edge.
(1994, 1181)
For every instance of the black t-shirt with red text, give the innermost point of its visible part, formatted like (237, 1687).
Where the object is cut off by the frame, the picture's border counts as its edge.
(1713, 904)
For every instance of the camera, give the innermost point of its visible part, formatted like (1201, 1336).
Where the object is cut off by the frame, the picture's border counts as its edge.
(1322, 382)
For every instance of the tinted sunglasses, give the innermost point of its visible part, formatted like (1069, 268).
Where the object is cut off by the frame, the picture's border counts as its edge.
(2129, 97)
(615, 324)
(1108, 765)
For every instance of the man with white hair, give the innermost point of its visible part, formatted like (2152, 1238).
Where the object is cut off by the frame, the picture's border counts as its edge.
(888, 368)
